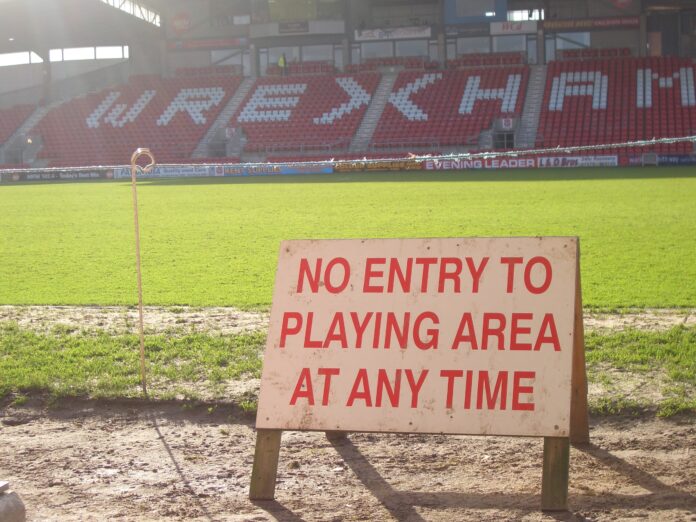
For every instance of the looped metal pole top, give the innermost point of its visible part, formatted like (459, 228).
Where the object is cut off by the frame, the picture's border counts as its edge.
(139, 153)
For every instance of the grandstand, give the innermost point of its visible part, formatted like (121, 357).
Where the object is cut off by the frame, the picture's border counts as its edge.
(612, 101)
(204, 81)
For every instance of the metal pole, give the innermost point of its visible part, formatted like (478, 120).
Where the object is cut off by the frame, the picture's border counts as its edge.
(134, 171)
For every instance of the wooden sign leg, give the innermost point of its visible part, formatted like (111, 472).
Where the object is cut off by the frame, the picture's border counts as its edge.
(579, 418)
(265, 471)
(336, 436)
(554, 480)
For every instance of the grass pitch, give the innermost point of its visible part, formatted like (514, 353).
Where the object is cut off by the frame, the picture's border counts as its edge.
(199, 366)
(215, 241)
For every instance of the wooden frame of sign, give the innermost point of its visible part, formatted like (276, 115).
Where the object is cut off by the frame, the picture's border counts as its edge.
(538, 284)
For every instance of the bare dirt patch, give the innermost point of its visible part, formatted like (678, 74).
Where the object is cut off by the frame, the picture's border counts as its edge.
(650, 319)
(227, 320)
(133, 461)
(121, 319)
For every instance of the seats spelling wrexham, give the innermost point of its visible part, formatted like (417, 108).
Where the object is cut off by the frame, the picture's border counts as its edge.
(168, 115)
(614, 101)
(305, 113)
(445, 108)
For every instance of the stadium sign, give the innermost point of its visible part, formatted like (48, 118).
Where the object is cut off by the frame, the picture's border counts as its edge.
(503, 28)
(479, 163)
(394, 165)
(206, 44)
(230, 170)
(481, 29)
(520, 163)
(459, 336)
(53, 174)
(172, 171)
(293, 27)
(579, 24)
(577, 161)
(670, 160)
(272, 169)
(397, 33)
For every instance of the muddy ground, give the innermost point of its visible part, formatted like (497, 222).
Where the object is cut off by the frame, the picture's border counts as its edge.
(225, 320)
(128, 461)
(84, 460)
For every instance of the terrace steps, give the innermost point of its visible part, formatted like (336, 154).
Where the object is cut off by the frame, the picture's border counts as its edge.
(531, 111)
(363, 135)
(224, 117)
(24, 131)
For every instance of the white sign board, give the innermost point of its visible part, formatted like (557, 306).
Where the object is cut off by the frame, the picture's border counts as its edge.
(459, 336)
(388, 33)
(523, 27)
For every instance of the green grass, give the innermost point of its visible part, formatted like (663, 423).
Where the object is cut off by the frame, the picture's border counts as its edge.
(665, 359)
(65, 363)
(215, 241)
(198, 366)
(673, 351)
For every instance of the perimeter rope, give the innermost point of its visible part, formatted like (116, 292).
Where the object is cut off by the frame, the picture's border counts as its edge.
(411, 157)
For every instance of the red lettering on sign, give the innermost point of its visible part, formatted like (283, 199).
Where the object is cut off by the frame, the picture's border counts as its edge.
(467, 391)
(327, 373)
(518, 389)
(453, 275)
(415, 385)
(337, 332)
(360, 327)
(404, 278)
(516, 329)
(360, 390)
(303, 388)
(370, 273)
(378, 324)
(528, 275)
(552, 338)
(286, 330)
(465, 332)
(337, 289)
(305, 272)
(392, 328)
(476, 272)
(487, 398)
(399, 274)
(484, 386)
(450, 375)
(425, 262)
(490, 331)
(308, 343)
(314, 278)
(384, 385)
(433, 333)
(511, 262)
(493, 325)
